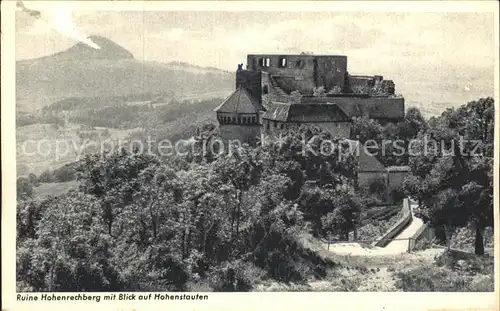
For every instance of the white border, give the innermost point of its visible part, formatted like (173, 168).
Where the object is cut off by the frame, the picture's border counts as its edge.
(233, 301)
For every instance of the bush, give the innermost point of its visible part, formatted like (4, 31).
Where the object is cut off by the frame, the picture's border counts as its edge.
(235, 276)
(33, 180)
(424, 243)
(24, 188)
(377, 186)
(65, 173)
(440, 279)
(46, 177)
(397, 195)
(372, 201)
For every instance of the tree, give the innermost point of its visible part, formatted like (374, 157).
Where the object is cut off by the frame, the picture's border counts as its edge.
(455, 167)
(33, 180)
(112, 179)
(241, 168)
(445, 210)
(67, 251)
(364, 129)
(413, 124)
(345, 216)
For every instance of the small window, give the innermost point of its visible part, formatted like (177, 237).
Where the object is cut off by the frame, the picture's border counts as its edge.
(267, 125)
(261, 62)
(268, 62)
(275, 124)
(283, 62)
(254, 120)
(265, 89)
(281, 126)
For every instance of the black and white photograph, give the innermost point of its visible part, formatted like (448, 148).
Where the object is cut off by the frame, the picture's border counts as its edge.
(251, 150)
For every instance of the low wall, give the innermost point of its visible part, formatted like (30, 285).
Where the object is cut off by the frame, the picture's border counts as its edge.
(424, 231)
(398, 227)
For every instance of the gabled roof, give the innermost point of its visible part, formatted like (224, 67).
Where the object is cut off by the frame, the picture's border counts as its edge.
(318, 112)
(367, 162)
(240, 101)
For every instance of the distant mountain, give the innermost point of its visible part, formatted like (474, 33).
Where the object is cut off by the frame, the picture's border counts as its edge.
(108, 50)
(82, 71)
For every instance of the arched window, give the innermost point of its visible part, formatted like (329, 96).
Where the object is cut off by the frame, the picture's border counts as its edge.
(268, 62)
(283, 62)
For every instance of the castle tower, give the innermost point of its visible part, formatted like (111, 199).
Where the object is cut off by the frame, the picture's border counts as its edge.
(239, 117)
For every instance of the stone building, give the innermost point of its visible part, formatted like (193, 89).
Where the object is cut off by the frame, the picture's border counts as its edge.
(277, 92)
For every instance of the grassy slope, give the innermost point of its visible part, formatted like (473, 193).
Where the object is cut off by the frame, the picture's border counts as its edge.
(54, 189)
(427, 270)
(45, 146)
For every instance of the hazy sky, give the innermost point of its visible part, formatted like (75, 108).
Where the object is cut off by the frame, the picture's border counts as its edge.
(418, 48)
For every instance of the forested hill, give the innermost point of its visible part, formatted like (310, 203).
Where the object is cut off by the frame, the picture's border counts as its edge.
(81, 71)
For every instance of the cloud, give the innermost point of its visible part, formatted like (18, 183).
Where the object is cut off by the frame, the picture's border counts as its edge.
(57, 17)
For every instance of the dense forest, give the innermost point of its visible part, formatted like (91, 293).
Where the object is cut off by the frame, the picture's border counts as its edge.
(141, 222)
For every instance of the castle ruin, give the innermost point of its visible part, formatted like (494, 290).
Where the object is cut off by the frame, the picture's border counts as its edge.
(277, 92)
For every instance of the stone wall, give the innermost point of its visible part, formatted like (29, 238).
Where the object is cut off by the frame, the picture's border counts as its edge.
(331, 72)
(243, 133)
(251, 81)
(316, 70)
(337, 129)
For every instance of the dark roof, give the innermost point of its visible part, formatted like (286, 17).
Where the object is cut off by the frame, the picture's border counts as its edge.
(322, 112)
(366, 161)
(240, 101)
(277, 111)
(372, 107)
